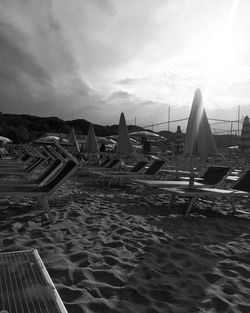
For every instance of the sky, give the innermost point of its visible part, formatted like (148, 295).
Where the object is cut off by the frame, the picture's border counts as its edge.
(94, 59)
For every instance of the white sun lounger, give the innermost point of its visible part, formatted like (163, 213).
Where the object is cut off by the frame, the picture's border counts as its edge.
(25, 285)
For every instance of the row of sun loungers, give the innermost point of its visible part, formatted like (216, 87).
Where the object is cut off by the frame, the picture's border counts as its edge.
(212, 184)
(25, 285)
(62, 165)
(43, 186)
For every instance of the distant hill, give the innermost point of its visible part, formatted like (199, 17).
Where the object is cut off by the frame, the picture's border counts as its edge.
(24, 128)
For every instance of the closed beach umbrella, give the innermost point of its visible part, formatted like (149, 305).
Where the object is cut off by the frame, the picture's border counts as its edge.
(91, 143)
(245, 136)
(74, 140)
(199, 141)
(124, 145)
(179, 144)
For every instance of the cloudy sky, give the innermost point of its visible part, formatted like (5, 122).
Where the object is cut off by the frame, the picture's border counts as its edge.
(94, 59)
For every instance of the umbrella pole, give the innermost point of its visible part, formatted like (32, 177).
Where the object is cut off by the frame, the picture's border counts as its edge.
(177, 167)
(191, 178)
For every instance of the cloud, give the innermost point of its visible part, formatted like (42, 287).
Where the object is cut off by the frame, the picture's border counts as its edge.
(127, 81)
(120, 95)
(39, 75)
(94, 59)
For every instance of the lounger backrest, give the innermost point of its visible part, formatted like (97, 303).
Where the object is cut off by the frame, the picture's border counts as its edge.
(154, 167)
(32, 163)
(48, 171)
(112, 163)
(105, 162)
(214, 174)
(60, 177)
(39, 162)
(243, 184)
(25, 157)
(138, 166)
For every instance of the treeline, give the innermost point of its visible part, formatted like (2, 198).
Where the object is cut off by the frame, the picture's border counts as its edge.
(25, 128)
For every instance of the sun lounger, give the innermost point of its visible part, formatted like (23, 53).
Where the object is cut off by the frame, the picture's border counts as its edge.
(240, 190)
(48, 173)
(25, 157)
(37, 162)
(41, 192)
(21, 162)
(107, 165)
(25, 285)
(150, 172)
(213, 176)
(111, 164)
(103, 163)
(55, 162)
(122, 171)
(16, 162)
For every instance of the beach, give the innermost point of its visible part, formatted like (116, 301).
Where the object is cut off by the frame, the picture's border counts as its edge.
(122, 250)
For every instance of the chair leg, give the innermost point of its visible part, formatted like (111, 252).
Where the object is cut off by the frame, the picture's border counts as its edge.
(190, 205)
(172, 201)
(44, 203)
(109, 183)
(233, 206)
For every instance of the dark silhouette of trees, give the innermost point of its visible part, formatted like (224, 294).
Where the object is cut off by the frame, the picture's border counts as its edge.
(24, 128)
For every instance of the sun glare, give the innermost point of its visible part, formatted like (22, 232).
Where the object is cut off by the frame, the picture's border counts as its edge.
(218, 56)
(221, 49)
(218, 48)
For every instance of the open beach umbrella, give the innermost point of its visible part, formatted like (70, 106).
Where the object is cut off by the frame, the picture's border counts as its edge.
(48, 140)
(199, 141)
(178, 140)
(92, 146)
(124, 145)
(5, 139)
(52, 138)
(245, 136)
(105, 140)
(146, 134)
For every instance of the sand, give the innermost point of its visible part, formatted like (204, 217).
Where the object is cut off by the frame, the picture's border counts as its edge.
(121, 250)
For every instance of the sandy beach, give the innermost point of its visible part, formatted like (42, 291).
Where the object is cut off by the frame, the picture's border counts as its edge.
(121, 250)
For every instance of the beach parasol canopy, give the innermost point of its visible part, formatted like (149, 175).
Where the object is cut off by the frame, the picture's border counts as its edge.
(92, 146)
(146, 134)
(5, 139)
(199, 141)
(245, 136)
(52, 138)
(124, 145)
(106, 141)
(178, 140)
